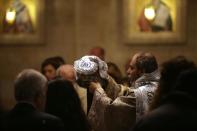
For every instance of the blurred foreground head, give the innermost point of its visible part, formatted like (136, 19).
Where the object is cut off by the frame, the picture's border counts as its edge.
(31, 86)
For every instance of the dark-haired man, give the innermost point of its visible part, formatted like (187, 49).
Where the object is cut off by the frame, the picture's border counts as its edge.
(118, 107)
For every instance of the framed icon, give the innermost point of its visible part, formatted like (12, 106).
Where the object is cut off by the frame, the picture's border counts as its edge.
(22, 21)
(154, 21)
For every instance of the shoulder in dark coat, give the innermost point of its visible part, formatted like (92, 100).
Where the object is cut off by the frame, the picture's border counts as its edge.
(24, 117)
(177, 113)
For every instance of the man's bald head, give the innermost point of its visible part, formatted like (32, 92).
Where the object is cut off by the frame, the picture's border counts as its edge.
(67, 72)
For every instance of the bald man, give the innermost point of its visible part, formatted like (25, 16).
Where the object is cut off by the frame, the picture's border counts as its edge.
(67, 72)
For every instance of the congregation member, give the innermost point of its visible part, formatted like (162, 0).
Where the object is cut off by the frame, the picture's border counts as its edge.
(63, 101)
(50, 65)
(30, 93)
(170, 70)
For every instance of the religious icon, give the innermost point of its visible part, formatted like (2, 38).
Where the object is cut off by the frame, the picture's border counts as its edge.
(17, 19)
(155, 17)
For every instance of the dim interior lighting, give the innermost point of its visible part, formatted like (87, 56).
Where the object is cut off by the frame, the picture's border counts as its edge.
(10, 16)
(149, 13)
